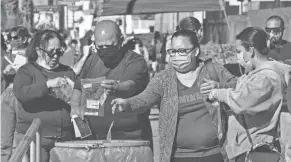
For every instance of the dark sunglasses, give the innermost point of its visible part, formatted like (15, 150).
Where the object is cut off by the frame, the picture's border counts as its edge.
(14, 37)
(180, 51)
(59, 52)
(108, 46)
(105, 46)
(275, 30)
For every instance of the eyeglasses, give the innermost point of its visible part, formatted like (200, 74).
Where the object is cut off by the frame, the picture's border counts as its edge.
(59, 52)
(275, 30)
(180, 51)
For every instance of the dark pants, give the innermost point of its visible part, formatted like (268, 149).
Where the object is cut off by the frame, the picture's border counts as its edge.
(45, 151)
(241, 158)
(211, 158)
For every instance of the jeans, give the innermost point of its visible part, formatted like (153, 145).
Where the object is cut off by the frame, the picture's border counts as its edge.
(211, 158)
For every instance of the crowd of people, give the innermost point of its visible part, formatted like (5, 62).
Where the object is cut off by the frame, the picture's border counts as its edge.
(207, 112)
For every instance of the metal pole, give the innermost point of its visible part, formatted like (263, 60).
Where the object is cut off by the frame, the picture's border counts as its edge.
(226, 19)
(38, 146)
(124, 24)
(32, 151)
(73, 14)
(278, 4)
(241, 8)
(31, 13)
(25, 142)
(178, 18)
(67, 15)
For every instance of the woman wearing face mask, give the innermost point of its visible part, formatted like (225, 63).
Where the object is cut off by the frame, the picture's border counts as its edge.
(34, 87)
(187, 127)
(10, 64)
(18, 42)
(257, 98)
(19, 38)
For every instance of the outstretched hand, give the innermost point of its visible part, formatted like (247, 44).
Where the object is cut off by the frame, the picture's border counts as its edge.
(110, 85)
(118, 105)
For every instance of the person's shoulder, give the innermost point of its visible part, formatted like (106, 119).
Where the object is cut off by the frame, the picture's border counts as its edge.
(285, 44)
(166, 73)
(133, 56)
(27, 68)
(208, 62)
(66, 69)
(28, 65)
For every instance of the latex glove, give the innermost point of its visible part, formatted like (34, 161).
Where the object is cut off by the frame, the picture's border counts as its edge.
(119, 105)
(208, 86)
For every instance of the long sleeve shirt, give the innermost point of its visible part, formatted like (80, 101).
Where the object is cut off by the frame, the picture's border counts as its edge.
(258, 96)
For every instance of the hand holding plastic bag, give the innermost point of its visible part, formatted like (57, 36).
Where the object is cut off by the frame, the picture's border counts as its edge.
(93, 96)
(63, 88)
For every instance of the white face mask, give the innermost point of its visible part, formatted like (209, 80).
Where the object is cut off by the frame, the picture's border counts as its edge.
(246, 64)
(137, 49)
(41, 62)
(182, 63)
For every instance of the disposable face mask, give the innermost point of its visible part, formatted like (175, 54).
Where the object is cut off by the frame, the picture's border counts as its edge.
(271, 43)
(181, 63)
(42, 62)
(242, 62)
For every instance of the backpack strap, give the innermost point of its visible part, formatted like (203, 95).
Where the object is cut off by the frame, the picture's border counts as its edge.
(222, 117)
(288, 96)
(211, 70)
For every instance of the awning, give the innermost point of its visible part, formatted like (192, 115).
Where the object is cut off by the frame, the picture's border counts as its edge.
(124, 7)
(121, 7)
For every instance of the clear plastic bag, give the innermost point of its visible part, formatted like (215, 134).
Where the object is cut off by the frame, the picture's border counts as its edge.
(93, 96)
(65, 91)
(102, 151)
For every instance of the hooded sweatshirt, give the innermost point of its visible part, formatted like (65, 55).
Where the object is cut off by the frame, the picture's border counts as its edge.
(258, 96)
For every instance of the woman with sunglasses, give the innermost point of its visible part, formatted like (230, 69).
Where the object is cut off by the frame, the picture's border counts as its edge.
(187, 124)
(11, 61)
(18, 39)
(34, 87)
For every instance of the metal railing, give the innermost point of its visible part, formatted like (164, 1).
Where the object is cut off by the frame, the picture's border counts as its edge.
(31, 139)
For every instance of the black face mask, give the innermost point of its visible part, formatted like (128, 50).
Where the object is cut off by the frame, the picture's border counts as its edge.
(111, 56)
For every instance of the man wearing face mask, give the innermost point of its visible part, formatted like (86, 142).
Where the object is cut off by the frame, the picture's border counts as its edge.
(127, 75)
(279, 48)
